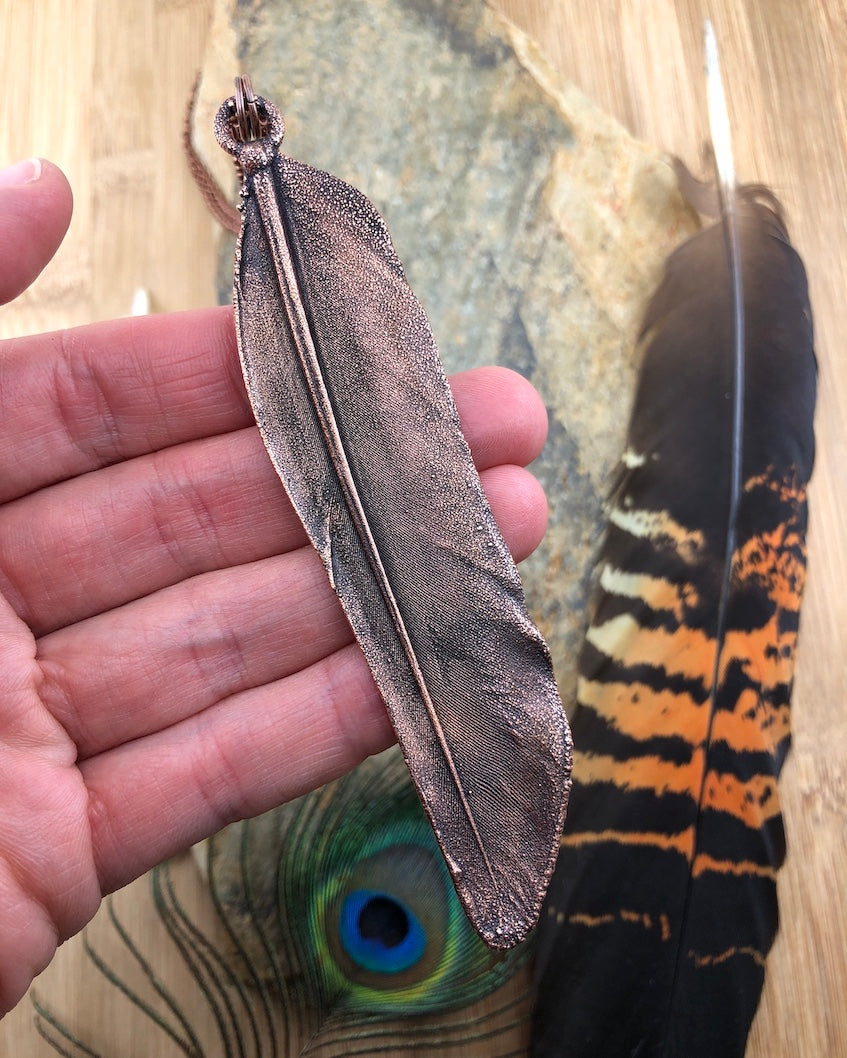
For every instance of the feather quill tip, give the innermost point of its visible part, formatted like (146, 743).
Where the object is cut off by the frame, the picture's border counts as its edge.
(718, 114)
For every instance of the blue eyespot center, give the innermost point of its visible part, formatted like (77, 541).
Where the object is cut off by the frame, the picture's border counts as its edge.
(380, 933)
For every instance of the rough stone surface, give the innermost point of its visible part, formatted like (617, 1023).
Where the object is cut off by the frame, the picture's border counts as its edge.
(531, 225)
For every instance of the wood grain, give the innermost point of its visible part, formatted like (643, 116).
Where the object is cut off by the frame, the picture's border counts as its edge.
(99, 88)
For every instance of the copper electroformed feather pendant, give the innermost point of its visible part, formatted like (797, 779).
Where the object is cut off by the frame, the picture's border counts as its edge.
(663, 906)
(357, 416)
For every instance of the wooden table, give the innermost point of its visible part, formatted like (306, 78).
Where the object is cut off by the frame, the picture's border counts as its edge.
(99, 88)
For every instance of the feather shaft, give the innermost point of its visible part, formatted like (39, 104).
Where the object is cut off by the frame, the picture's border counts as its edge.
(725, 169)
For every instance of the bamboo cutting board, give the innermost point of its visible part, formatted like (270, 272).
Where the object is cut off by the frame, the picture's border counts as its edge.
(100, 87)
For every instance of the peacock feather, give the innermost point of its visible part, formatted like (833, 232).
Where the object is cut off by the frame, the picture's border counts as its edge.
(336, 931)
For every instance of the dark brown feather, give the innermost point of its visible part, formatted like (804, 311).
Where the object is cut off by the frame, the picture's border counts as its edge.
(663, 906)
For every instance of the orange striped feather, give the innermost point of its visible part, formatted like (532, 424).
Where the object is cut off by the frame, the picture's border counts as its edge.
(663, 906)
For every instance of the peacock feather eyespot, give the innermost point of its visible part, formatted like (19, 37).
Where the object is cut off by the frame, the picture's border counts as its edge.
(379, 933)
(386, 930)
(337, 925)
(369, 920)
(380, 923)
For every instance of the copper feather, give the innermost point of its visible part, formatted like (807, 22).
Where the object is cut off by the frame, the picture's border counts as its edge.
(663, 907)
(357, 416)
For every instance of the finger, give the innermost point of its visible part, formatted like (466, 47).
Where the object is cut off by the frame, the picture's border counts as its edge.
(157, 795)
(155, 662)
(519, 505)
(93, 543)
(89, 397)
(89, 545)
(92, 396)
(521, 416)
(182, 650)
(35, 211)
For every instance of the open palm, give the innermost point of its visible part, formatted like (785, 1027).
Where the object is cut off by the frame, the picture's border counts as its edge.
(172, 657)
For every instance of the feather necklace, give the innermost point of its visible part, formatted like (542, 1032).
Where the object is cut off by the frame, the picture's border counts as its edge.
(352, 403)
(663, 905)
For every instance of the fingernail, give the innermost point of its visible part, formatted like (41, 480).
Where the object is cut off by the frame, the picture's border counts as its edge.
(21, 173)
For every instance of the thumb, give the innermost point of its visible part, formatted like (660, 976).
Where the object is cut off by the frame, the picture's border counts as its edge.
(35, 211)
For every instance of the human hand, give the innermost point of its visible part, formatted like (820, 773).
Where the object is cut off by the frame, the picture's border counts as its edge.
(172, 657)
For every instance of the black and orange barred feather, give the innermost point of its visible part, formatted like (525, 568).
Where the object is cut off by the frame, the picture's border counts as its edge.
(663, 906)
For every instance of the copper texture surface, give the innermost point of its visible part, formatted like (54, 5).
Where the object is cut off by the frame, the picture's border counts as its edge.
(357, 416)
